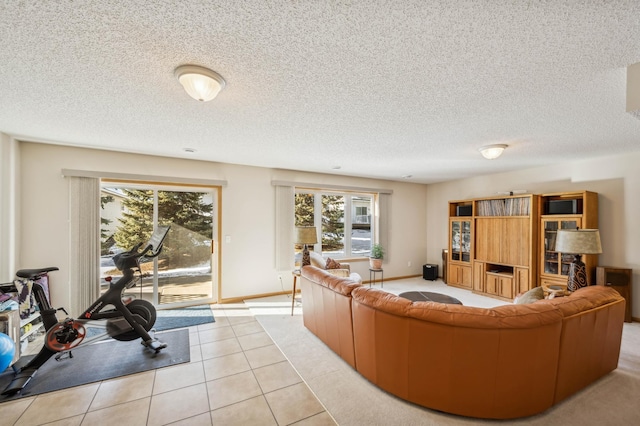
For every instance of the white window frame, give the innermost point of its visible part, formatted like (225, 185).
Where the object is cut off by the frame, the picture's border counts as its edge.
(348, 212)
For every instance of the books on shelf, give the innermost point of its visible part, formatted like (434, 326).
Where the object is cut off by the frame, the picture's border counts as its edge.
(503, 207)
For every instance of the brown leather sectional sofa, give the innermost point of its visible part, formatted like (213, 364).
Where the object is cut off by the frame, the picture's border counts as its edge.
(506, 362)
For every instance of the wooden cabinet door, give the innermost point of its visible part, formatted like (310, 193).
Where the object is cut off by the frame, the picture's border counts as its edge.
(515, 241)
(466, 279)
(454, 274)
(491, 283)
(460, 275)
(522, 282)
(478, 276)
(488, 231)
(506, 287)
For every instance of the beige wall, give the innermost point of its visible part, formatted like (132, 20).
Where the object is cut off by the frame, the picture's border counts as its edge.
(615, 178)
(248, 214)
(418, 213)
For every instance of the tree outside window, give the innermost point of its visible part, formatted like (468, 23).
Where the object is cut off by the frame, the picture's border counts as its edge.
(344, 221)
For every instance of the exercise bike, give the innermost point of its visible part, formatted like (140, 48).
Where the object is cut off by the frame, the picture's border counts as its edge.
(109, 316)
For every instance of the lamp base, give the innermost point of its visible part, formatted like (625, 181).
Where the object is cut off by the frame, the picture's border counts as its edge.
(306, 259)
(577, 275)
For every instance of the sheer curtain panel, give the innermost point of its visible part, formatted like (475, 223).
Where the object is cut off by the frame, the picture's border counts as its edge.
(284, 228)
(84, 215)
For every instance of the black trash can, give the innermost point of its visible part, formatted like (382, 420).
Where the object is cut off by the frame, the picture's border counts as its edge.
(430, 272)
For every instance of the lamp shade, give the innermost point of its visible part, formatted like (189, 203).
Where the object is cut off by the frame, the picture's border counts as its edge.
(491, 152)
(306, 235)
(578, 241)
(200, 83)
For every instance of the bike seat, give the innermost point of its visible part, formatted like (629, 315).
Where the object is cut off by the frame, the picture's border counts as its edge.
(35, 273)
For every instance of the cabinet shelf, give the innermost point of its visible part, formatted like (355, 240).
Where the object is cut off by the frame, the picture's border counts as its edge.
(565, 210)
(30, 318)
(35, 320)
(502, 241)
(500, 274)
(33, 330)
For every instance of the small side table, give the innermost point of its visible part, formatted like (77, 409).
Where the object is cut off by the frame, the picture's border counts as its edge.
(372, 277)
(296, 274)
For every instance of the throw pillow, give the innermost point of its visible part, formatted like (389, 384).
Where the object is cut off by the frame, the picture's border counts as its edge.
(533, 295)
(332, 264)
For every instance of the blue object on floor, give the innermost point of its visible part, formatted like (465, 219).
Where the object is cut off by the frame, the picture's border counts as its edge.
(7, 351)
(184, 317)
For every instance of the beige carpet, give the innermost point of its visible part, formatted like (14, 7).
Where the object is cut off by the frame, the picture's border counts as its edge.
(352, 400)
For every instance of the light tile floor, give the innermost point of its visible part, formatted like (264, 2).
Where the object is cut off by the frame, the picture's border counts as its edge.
(236, 376)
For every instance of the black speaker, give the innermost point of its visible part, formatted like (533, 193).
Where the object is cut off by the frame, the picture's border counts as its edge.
(430, 272)
(466, 210)
(563, 207)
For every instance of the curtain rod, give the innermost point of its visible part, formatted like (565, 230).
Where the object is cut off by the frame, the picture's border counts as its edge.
(147, 178)
(328, 186)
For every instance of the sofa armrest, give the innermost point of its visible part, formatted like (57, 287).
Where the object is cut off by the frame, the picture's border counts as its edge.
(342, 272)
(346, 266)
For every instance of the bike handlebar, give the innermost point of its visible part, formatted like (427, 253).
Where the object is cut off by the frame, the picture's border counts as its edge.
(129, 259)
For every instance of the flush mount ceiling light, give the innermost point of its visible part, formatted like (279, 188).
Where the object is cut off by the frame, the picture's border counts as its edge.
(200, 83)
(491, 152)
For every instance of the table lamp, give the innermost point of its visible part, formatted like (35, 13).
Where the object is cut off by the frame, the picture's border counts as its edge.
(306, 235)
(578, 242)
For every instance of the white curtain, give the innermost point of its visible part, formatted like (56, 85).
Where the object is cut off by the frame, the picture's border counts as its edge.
(384, 201)
(285, 222)
(84, 216)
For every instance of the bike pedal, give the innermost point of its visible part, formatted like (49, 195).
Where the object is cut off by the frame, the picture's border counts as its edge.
(63, 355)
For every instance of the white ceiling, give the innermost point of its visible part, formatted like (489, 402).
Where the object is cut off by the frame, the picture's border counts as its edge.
(380, 88)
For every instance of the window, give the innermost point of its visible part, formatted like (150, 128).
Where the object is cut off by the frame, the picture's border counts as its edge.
(343, 220)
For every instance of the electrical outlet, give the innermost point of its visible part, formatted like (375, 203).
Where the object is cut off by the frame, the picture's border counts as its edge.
(409, 263)
(280, 277)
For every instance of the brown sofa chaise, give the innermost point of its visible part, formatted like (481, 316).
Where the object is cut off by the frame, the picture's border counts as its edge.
(506, 362)
(326, 307)
(591, 335)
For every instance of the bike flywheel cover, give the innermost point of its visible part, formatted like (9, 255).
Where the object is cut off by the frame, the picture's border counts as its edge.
(51, 340)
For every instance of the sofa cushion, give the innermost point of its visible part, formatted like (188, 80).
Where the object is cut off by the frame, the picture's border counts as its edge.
(317, 260)
(332, 264)
(533, 295)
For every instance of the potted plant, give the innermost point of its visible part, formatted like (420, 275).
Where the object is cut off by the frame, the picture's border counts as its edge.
(375, 259)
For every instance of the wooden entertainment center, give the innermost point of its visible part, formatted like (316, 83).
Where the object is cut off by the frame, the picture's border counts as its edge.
(502, 246)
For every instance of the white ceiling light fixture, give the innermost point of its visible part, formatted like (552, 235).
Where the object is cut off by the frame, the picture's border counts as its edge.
(491, 152)
(200, 83)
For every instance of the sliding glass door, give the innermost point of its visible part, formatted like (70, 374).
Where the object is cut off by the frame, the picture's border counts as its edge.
(185, 273)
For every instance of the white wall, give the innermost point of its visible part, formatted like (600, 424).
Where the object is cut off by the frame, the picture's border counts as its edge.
(615, 178)
(248, 214)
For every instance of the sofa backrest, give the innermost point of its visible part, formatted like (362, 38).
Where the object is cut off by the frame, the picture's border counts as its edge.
(326, 307)
(489, 363)
(591, 336)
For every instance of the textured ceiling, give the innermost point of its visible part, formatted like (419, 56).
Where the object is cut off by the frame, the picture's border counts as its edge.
(380, 88)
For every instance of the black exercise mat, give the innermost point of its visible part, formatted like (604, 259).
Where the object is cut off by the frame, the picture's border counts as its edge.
(101, 361)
